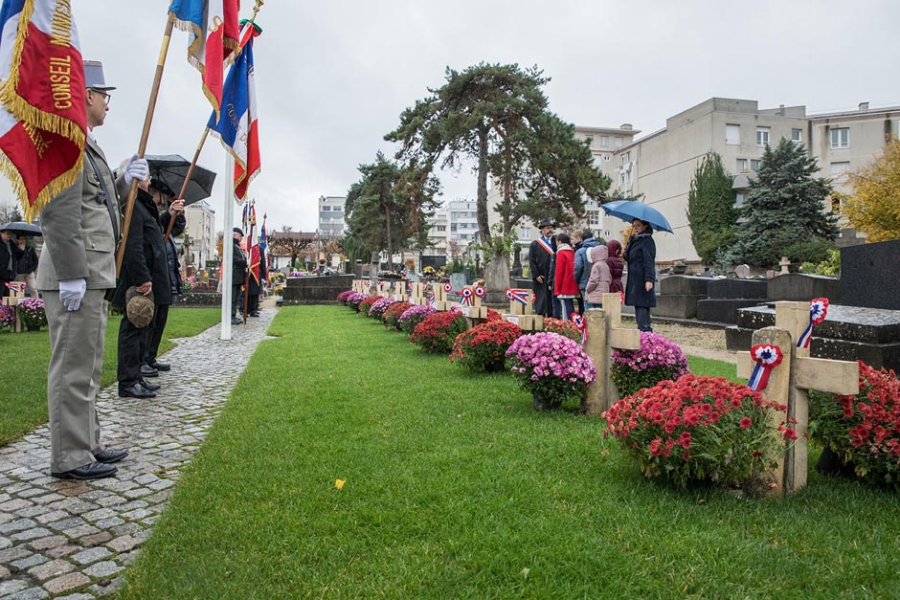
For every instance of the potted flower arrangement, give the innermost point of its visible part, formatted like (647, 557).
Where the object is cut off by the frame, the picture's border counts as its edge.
(657, 359)
(552, 367)
(861, 432)
(566, 328)
(483, 348)
(342, 297)
(437, 332)
(700, 429)
(379, 307)
(31, 311)
(392, 315)
(413, 316)
(7, 316)
(493, 315)
(354, 299)
(366, 304)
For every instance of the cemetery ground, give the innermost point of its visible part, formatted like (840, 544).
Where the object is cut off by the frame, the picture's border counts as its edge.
(348, 462)
(23, 369)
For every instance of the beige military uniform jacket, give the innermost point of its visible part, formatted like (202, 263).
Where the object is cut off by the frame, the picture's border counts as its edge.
(79, 235)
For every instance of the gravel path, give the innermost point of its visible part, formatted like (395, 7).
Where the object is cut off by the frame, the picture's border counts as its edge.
(73, 539)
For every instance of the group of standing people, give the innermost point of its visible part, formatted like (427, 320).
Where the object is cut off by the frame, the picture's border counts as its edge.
(250, 268)
(18, 262)
(570, 273)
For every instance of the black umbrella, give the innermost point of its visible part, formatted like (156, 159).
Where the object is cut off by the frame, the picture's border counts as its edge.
(171, 171)
(21, 228)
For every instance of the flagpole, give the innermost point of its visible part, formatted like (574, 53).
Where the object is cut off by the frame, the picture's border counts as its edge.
(145, 135)
(187, 180)
(227, 252)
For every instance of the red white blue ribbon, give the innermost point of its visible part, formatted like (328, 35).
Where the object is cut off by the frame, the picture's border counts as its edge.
(16, 286)
(622, 296)
(480, 291)
(432, 300)
(519, 295)
(448, 288)
(818, 310)
(581, 324)
(767, 357)
(466, 297)
(545, 246)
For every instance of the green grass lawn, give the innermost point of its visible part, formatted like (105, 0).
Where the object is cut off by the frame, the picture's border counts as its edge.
(714, 368)
(455, 488)
(23, 368)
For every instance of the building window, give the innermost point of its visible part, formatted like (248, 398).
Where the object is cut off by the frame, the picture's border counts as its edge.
(604, 141)
(733, 135)
(594, 218)
(441, 228)
(742, 165)
(840, 137)
(838, 170)
(762, 136)
(326, 208)
(525, 233)
(618, 142)
(754, 165)
(607, 157)
(739, 201)
(796, 135)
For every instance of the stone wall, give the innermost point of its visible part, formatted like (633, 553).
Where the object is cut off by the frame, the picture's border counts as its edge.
(198, 299)
(315, 290)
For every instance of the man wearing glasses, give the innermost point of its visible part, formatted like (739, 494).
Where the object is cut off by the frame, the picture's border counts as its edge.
(81, 228)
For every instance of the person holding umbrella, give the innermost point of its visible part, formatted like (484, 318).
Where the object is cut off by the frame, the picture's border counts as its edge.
(640, 254)
(27, 265)
(10, 253)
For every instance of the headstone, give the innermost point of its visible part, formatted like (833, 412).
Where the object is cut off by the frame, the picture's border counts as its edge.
(785, 266)
(869, 275)
(798, 287)
(458, 281)
(604, 334)
(742, 271)
(790, 381)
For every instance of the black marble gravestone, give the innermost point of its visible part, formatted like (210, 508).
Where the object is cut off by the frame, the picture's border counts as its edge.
(870, 275)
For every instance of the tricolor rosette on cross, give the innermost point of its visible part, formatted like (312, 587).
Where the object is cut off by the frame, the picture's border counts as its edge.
(818, 310)
(581, 324)
(519, 295)
(466, 296)
(766, 357)
(479, 292)
(448, 288)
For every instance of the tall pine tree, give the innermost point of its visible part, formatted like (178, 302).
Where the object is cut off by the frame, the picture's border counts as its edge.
(711, 210)
(785, 210)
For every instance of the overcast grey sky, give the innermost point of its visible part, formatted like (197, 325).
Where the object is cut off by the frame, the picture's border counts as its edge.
(334, 75)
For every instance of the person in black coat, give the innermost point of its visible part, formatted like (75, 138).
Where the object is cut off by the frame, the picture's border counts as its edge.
(640, 255)
(258, 274)
(238, 275)
(144, 267)
(27, 266)
(10, 253)
(168, 208)
(540, 254)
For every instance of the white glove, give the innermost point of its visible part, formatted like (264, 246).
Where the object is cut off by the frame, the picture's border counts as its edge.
(137, 168)
(71, 292)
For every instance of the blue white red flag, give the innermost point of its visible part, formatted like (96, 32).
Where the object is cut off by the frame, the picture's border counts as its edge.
(238, 127)
(214, 29)
(263, 236)
(43, 120)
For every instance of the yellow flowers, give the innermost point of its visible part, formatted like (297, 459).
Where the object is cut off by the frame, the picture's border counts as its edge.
(339, 484)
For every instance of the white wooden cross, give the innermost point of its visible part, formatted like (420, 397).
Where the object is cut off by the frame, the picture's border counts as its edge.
(418, 296)
(441, 303)
(523, 315)
(789, 382)
(400, 291)
(605, 333)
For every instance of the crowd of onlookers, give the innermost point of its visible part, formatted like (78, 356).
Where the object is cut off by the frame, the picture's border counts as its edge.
(570, 271)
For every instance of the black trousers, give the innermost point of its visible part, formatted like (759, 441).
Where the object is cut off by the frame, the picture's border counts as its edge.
(642, 316)
(254, 304)
(155, 332)
(132, 345)
(237, 300)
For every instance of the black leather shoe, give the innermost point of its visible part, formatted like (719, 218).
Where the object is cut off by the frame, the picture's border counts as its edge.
(237, 321)
(135, 391)
(160, 366)
(152, 387)
(110, 455)
(95, 470)
(254, 314)
(147, 371)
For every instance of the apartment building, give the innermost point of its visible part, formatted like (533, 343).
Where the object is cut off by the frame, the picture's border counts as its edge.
(436, 254)
(201, 229)
(331, 216)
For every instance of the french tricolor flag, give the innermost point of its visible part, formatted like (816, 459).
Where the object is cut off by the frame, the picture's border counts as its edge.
(238, 126)
(43, 119)
(214, 29)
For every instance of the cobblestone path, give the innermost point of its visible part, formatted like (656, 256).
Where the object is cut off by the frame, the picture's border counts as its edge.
(62, 538)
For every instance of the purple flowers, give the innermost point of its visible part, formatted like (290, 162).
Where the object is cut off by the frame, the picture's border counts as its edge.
(379, 307)
(658, 360)
(7, 316)
(551, 366)
(413, 316)
(31, 311)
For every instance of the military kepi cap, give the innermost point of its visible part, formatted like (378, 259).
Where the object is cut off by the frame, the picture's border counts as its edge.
(238, 230)
(93, 76)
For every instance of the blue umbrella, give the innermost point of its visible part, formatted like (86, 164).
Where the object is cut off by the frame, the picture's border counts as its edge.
(628, 211)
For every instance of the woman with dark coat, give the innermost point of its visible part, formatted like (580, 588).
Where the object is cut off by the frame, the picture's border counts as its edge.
(640, 255)
(144, 267)
(168, 209)
(616, 265)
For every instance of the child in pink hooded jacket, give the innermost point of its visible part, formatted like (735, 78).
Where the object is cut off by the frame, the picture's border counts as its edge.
(598, 283)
